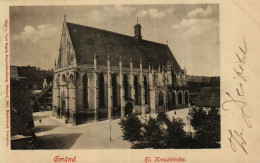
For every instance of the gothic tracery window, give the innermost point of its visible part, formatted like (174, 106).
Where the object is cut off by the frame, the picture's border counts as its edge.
(114, 89)
(126, 85)
(136, 86)
(101, 91)
(180, 98)
(173, 99)
(186, 98)
(161, 99)
(85, 91)
(145, 90)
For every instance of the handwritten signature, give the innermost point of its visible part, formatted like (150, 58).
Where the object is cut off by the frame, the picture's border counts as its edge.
(236, 137)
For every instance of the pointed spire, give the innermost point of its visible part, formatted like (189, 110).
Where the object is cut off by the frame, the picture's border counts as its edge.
(137, 19)
(55, 64)
(159, 68)
(149, 67)
(64, 17)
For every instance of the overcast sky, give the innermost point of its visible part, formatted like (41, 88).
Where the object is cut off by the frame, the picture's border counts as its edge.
(192, 31)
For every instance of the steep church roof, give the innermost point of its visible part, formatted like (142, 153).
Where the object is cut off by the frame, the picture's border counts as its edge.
(88, 41)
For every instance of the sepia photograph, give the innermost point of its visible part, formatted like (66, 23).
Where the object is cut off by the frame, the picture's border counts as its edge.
(115, 77)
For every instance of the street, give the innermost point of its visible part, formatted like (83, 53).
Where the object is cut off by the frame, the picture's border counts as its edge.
(52, 133)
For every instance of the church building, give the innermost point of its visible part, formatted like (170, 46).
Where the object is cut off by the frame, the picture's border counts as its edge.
(102, 75)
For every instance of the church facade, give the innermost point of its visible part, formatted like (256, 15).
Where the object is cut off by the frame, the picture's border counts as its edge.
(103, 75)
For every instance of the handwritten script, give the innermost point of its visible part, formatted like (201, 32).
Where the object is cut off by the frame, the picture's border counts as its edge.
(236, 138)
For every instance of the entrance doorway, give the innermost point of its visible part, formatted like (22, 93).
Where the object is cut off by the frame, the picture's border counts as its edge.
(128, 109)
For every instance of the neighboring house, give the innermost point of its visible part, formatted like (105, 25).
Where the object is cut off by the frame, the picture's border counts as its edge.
(209, 97)
(196, 83)
(44, 98)
(35, 93)
(34, 76)
(102, 75)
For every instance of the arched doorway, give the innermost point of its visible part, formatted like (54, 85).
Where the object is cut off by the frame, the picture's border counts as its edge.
(128, 108)
(180, 98)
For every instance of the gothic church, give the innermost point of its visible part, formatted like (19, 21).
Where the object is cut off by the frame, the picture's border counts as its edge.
(102, 75)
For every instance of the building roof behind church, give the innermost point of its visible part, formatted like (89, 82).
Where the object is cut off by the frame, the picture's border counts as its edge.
(209, 97)
(88, 41)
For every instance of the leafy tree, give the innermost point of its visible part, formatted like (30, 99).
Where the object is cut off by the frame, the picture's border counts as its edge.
(156, 133)
(175, 134)
(131, 127)
(207, 126)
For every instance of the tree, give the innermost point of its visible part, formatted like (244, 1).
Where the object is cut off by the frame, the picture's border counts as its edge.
(131, 127)
(155, 133)
(207, 126)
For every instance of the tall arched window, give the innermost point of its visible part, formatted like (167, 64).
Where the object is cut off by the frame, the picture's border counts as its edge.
(85, 91)
(160, 99)
(173, 78)
(71, 80)
(180, 98)
(114, 89)
(136, 85)
(145, 90)
(186, 98)
(155, 79)
(126, 85)
(101, 91)
(64, 79)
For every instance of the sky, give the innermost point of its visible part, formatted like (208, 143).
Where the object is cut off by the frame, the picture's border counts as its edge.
(191, 31)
